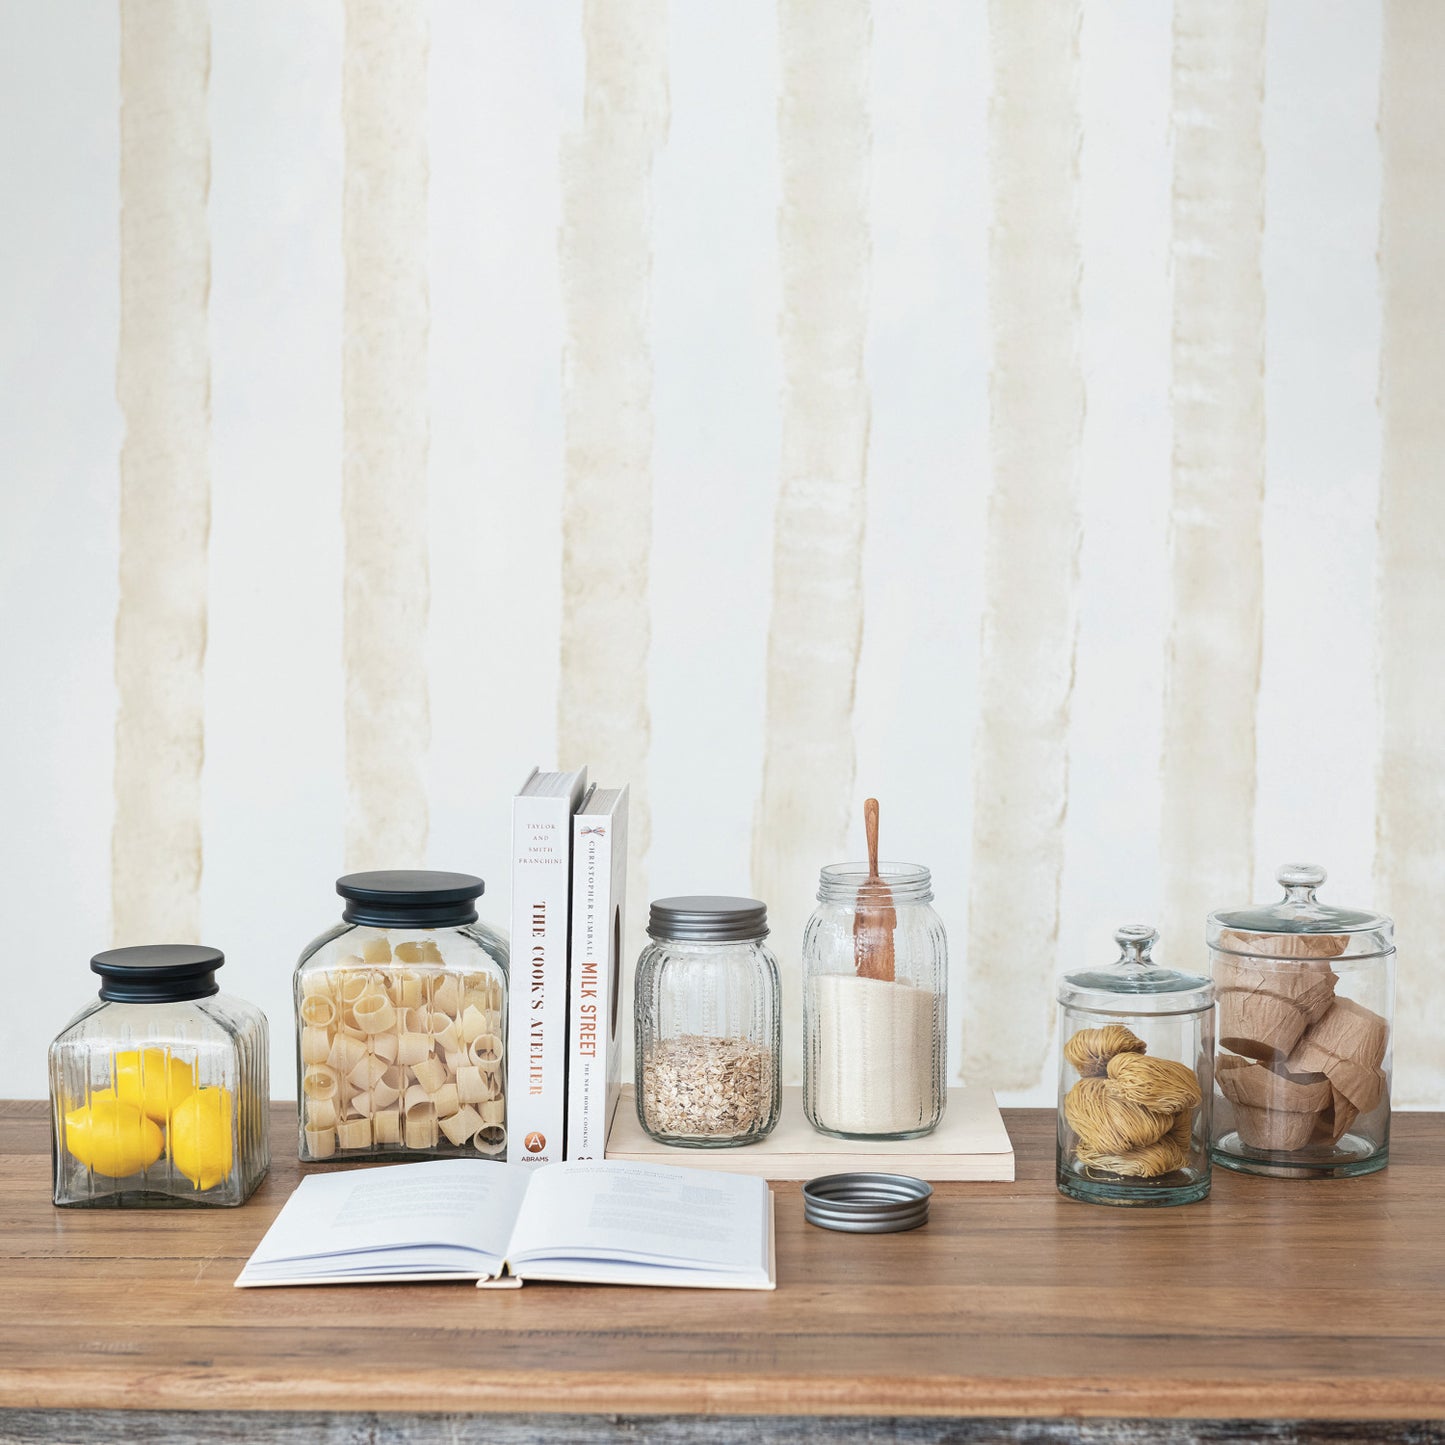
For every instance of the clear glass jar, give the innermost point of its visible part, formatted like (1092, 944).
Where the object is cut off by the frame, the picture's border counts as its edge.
(707, 1023)
(1306, 1008)
(1135, 1079)
(159, 1091)
(874, 1029)
(401, 1024)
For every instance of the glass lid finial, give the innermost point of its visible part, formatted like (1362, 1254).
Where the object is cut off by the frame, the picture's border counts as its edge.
(1299, 881)
(1135, 941)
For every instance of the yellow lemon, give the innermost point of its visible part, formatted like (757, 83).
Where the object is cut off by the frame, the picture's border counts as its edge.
(112, 1137)
(153, 1080)
(200, 1136)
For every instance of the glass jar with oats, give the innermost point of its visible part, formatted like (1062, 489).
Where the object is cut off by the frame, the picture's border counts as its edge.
(401, 1024)
(707, 1023)
(1135, 1079)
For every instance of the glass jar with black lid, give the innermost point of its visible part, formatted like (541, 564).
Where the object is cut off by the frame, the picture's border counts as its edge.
(159, 1089)
(401, 1024)
(707, 1019)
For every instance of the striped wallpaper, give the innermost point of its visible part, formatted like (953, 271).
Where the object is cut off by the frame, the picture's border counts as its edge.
(1026, 411)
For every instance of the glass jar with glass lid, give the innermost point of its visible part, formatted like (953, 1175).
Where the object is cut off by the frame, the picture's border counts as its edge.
(1135, 1079)
(875, 1006)
(401, 1023)
(1306, 1003)
(707, 1022)
(159, 1091)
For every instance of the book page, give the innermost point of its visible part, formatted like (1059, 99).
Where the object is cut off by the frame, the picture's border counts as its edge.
(651, 1214)
(450, 1215)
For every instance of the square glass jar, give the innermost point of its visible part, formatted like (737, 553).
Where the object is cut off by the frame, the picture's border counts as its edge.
(401, 1024)
(159, 1090)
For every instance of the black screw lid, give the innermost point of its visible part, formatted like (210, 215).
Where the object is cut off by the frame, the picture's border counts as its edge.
(158, 972)
(410, 898)
(707, 918)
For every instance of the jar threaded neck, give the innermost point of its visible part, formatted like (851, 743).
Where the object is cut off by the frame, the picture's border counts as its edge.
(908, 882)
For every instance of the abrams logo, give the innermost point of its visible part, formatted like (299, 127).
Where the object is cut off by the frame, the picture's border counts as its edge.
(535, 1142)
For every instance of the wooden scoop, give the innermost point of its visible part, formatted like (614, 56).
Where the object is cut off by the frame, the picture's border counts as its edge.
(875, 918)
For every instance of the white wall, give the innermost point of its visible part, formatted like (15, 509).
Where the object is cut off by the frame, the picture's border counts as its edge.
(505, 86)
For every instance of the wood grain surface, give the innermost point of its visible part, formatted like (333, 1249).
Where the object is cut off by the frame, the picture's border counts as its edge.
(1271, 1300)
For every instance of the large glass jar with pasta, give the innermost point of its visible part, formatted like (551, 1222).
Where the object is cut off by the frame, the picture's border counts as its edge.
(159, 1088)
(401, 1024)
(1137, 1047)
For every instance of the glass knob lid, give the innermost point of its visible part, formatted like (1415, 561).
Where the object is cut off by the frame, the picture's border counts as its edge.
(1135, 941)
(1301, 910)
(1135, 981)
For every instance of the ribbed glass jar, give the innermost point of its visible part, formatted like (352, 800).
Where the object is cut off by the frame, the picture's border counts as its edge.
(1306, 1023)
(159, 1090)
(707, 1017)
(875, 1019)
(1137, 1048)
(401, 1024)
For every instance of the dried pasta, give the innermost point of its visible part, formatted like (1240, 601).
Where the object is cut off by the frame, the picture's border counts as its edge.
(315, 1044)
(460, 1127)
(413, 1048)
(369, 1070)
(485, 1051)
(321, 1113)
(320, 1143)
(399, 1053)
(374, 1013)
(319, 1082)
(318, 1010)
(346, 1052)
(354, 1134)
(421, 1131)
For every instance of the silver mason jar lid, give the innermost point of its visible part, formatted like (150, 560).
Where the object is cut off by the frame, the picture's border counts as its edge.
(708, 918)
(866, 1203)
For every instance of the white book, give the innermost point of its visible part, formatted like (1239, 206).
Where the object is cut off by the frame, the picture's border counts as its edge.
(599, 886)
(463, 1219)
(537, 1024)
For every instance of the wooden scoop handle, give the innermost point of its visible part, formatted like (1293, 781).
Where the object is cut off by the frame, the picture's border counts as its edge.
(870, 828)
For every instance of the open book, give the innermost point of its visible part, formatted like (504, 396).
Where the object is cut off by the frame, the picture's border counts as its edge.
(592, 1222)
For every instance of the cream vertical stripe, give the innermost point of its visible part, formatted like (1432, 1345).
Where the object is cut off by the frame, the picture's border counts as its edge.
(1410, 857)
(163, 383)
(605, 253)
(1036, 420)
(816, 627)
(1212, 665)
(384, 397)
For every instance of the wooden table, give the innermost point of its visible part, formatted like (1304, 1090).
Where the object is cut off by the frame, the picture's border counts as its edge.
(1271, 1301)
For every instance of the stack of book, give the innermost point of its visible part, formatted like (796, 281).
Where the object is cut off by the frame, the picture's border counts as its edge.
(569, 876)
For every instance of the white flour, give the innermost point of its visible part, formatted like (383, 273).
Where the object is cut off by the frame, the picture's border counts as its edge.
(872, 1057)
